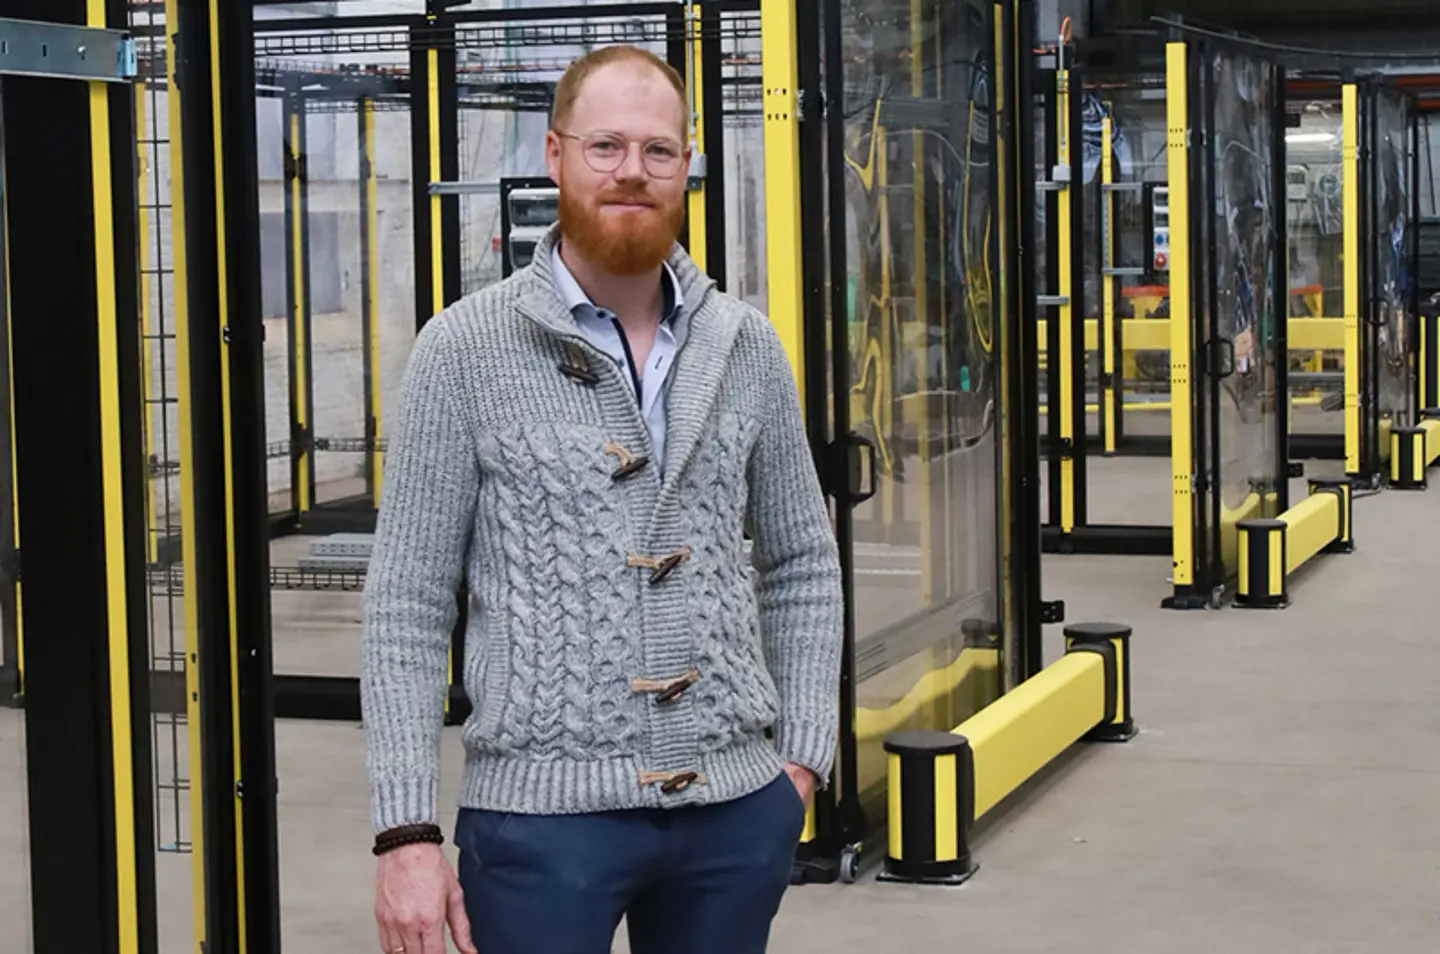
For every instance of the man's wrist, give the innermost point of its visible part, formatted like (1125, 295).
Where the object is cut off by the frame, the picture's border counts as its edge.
(393, 838)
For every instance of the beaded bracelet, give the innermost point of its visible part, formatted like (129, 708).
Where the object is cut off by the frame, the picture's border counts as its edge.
(407, 835)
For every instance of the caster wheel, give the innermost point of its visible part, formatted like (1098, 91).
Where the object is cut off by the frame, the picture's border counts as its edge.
(849, 865)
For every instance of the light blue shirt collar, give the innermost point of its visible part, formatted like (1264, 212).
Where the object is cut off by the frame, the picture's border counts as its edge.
(575, 296)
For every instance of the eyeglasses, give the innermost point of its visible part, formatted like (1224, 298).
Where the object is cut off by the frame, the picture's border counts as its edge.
(605, 151)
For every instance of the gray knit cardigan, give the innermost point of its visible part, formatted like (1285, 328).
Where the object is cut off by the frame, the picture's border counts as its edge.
(620, 651)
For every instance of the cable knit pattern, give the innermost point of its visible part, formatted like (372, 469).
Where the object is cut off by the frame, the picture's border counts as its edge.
(502, 468)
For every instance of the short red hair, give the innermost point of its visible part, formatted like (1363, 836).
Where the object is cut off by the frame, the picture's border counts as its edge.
(568, 89)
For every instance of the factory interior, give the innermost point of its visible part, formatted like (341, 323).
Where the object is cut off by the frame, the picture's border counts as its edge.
(1116, 329)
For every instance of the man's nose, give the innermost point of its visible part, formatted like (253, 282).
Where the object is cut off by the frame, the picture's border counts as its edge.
(633, 165)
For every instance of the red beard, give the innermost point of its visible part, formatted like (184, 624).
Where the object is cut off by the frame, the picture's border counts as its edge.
(621, 243)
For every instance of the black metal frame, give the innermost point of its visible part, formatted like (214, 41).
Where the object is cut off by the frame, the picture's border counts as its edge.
(1145, 54)
(1096, 55)
(85, 536)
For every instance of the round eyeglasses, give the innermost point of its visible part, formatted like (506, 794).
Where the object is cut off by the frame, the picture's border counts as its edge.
(605, 151)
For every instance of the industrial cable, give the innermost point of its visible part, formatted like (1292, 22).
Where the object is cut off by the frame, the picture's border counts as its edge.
(1291, 48)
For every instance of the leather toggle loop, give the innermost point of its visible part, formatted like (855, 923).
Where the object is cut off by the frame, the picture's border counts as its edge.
(672, 782)
(577, 367)
(667, 690)
(629, 463)
(659, 567)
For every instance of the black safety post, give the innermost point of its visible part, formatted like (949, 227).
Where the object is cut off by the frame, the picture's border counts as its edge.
(223, 351)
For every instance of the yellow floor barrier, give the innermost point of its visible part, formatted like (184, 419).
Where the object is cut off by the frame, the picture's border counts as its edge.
(941, 783)
(1270, 551)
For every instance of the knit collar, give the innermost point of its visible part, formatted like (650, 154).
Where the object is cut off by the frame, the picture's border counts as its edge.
(543, 301)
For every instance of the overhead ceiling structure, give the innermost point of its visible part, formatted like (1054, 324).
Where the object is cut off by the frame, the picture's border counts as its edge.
(1394, 37)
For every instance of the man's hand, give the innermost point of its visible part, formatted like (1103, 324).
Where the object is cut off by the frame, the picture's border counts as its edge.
(804, 779)
(416, 894)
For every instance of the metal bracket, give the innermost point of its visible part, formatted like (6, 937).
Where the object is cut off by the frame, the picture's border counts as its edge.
(66, 51)
(1051, 301)
(1052, 611)
(463, 188)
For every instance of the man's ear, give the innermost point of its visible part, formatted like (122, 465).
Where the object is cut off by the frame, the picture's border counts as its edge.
(552, 156)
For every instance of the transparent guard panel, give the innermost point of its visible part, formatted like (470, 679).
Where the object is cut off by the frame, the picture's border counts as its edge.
(1393, 276)
(918, 224)
(1245, 232)
(1315, 229)
(276, 274)
(744, 159)
(1134, 487)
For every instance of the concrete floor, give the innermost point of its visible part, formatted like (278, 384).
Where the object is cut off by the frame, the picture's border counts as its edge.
(1281, 797)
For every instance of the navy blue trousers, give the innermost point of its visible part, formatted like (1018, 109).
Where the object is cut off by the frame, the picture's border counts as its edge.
(703, 880)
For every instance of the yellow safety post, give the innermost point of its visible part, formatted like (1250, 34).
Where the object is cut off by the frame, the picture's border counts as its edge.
(780, 80)
(1270, 551)
(1108, 394)
(1182, 464)
(1067, 311)
(695, 83)
(1350, 206)
(371, 185)
(300, 327)
(941, 783)
(193, 722)
(147, 322)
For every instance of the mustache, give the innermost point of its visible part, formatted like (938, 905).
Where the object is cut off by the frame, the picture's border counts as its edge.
(639, 196)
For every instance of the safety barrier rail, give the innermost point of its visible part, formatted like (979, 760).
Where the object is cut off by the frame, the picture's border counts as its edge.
(941, 783)
(1271, 550)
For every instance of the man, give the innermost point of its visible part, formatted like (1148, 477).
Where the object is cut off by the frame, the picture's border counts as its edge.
(587, 444)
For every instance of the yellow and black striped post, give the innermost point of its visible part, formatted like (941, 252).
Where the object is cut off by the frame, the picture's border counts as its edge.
(1407, 459)
(1261, 546)
(932, 806)
(1114, 638)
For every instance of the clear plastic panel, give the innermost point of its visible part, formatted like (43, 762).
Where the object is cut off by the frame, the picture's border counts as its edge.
(744, 160)
(1315, 228)
(273, 143)
(1244, 236)
(919, 226)
(1134, 488)
(1393, 276)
